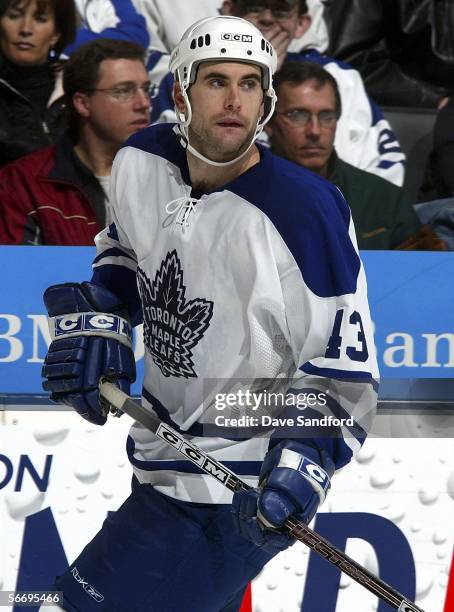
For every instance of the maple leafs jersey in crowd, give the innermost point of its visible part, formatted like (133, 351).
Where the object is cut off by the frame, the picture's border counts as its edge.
(257, 280)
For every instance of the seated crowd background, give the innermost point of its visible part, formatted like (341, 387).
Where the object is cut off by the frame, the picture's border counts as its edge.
(77, 77)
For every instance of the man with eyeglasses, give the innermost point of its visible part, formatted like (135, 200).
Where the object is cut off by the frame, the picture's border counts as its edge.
(60, 195)
(303, 131)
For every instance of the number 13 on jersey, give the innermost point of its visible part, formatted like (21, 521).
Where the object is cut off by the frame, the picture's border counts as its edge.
(355, 333)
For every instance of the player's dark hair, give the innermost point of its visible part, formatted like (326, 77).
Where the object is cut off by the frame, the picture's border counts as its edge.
(298, 73)
(81, 72)
(64, 13)
(241, 6)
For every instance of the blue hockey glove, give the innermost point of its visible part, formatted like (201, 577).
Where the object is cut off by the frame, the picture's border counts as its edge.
(91, 338)
(294, 481)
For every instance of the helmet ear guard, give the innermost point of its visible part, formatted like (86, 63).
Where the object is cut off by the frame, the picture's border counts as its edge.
(223, 38)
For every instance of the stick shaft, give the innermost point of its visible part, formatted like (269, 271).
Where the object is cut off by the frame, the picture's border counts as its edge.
(300, 531)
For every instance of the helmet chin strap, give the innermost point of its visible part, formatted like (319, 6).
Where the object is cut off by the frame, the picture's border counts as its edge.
(183, 132)
(184, 140)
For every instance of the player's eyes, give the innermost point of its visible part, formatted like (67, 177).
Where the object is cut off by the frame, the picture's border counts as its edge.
(249, 84)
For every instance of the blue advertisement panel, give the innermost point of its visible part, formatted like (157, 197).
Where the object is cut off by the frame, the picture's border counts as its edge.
(411, 297)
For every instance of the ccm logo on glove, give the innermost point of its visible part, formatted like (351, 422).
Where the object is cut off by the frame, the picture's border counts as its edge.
(89, 323)
(315, 474)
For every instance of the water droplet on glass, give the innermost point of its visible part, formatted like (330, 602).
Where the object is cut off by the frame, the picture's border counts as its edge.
(424, 583)
(439, 537)
(382, 480)
(427, 496)
(345, 582)
(395, 513)
(20, 505)
(87, 472)
(450, 486)
(365, 455)
(50, 437)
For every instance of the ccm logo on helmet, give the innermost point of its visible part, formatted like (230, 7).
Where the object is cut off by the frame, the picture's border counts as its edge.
(236, 37)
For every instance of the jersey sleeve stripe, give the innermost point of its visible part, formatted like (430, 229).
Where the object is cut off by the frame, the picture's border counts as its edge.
(350, 375)
(113, 252)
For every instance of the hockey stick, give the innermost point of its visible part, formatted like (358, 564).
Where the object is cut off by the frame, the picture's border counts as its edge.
(119, 401)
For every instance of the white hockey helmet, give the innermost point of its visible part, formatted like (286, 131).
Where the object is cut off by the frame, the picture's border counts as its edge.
(223, 38)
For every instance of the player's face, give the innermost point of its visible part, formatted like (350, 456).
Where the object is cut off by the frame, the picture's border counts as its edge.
(123, 106)
(226, 101)
(309, 144)
(27, 32)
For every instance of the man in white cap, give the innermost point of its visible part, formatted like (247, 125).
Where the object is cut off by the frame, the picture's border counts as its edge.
(247, 270)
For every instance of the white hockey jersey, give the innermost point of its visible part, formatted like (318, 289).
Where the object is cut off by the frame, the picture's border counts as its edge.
(257, 280)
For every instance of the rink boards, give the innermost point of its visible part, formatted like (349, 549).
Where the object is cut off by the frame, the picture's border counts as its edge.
(391, 509)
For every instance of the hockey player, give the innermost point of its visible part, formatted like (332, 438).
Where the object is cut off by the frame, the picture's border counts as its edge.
(246, 268)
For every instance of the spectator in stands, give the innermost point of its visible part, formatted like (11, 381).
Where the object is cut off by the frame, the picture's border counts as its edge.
(316, 37)
(59, 195)
(166, 22)
(32, 35)
(116, 19)
(364, 138)
(303, 131)
(166, 31)
(404, 49)
(439, 177)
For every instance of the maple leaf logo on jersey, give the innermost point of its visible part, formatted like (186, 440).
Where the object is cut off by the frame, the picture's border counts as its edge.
(172, 325)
